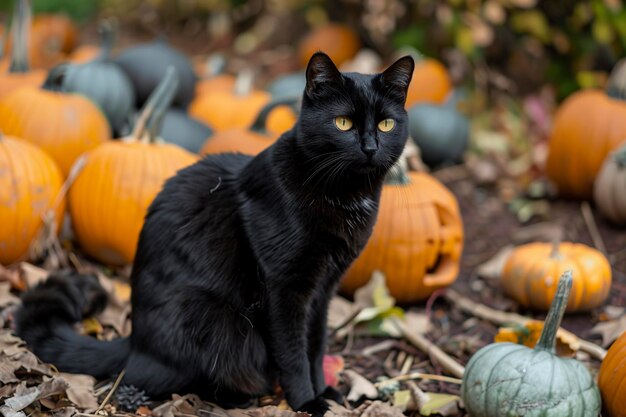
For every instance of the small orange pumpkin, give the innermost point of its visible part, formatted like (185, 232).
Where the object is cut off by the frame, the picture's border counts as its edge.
(612, 379)
(110, 197)
(338, 41)
(211, 76)
(19, 73)
(586, 128)
(610, 186)
(417, 240)
(531, 275)
(238, 108)
(54, 36)
(430, 83)
(30, 184)
(250, 141)
(64, 125)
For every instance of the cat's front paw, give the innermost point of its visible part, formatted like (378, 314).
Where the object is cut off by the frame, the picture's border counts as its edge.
(331, 393)
(316, 407)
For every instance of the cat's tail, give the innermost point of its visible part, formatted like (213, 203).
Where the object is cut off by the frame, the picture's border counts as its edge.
(46, 321)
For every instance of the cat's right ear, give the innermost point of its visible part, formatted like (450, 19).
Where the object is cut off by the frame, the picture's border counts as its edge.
(320, 70)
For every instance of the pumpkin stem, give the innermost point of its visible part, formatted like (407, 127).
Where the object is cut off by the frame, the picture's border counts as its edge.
(56, 77)
(214, 66)
(619, 156)
(616, 84)
(547, 341)
(398, 173)
(243, 82)
(151, 117)
(556, 244)
(107, 39)
(260, 123)
(22, 17)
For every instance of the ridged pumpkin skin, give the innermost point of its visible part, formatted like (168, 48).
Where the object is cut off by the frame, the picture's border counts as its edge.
(338, 41)
(612, 379)
(110, 198)
(587, 127)
(63, 125)
(430, 83)
(530, 275)
(417, 241)
(30, 182)
(609, 191)
(237, 140)
(12, 81)
(506, 379)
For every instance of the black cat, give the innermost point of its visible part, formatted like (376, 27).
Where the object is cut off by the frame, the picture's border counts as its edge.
(239, 256)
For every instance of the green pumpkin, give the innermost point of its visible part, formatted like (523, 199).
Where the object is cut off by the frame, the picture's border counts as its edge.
(510, 380)
(288, 86)
(440, 131)
(104, 83)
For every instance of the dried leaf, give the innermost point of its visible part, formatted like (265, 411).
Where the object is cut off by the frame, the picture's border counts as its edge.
(374, 299)
(440, 404)
(273, 411)
(401, 399)
(376, 409)
(610, 330)
(80, 391)
(6, 298)
(493, 267)
(417, 322)
(339, 311)
(32, 274)
(359, 386)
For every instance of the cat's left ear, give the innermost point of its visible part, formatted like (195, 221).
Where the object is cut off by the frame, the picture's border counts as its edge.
(398, 75)
(321, 70)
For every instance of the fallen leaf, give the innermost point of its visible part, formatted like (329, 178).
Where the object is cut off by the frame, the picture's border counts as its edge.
(80, 391)
(610, 330)
(32, 274)
(333, 365)
(440, 404)
(376, 305)
(492, 269)
(359, 386)
(401, 399)
(339, 311)
(417, 322)
(376, 409)
(273, 411)
(6, 298)
(528, 335)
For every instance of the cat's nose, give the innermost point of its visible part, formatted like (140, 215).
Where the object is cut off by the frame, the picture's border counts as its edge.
(369, 146)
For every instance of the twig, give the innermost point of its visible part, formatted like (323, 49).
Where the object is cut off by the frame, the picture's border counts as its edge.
(590, 222)
(425, 345)
(419, 375)
(110, 394)
(500, 317)
(346, 322)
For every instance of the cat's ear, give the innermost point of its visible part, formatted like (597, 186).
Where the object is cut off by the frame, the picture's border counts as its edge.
(320, 70)
(398, 75)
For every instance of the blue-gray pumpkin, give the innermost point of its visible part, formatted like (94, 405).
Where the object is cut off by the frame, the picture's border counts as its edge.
(104, 83)
(441, 132)
(185, 131)
(506, 379)
(288, 86)
(146, 65)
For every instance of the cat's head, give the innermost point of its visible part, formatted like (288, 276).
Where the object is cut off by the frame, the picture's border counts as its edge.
(355, 120)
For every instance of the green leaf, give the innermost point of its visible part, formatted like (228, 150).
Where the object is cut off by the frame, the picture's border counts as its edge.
(443, 404)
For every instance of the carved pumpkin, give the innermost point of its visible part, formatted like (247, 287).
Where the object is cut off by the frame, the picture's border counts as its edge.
(125, 176)
(530, 275)
(64, 125)
(586, 128)
(30, 182)
(19, 73)
(430, 83)
(417, 240)
(147, 64)
(610, 186)
(338, 41)
(507, 379)
(104, 83)
(250, 141)
(238, 108)
(612, 379)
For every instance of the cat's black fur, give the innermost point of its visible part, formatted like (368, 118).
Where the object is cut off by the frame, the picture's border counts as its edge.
(239, 256)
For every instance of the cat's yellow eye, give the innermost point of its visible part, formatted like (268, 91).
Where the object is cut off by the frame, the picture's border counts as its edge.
(386, 125)
(343, 123)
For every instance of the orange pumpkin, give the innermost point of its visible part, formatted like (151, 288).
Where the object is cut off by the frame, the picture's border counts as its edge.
(64, 125)
(110, 197)
(531, 275)
(250, 141)
(586, 128)
(30, 182)
(53, 37)
(239, 107)
(612, 379)
(211, 75)
(608, 191)
(417, 240)
(338, 41)
(430, 83)
(19, 74)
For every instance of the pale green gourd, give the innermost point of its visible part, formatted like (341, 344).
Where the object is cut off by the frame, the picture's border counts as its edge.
(510, 380)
